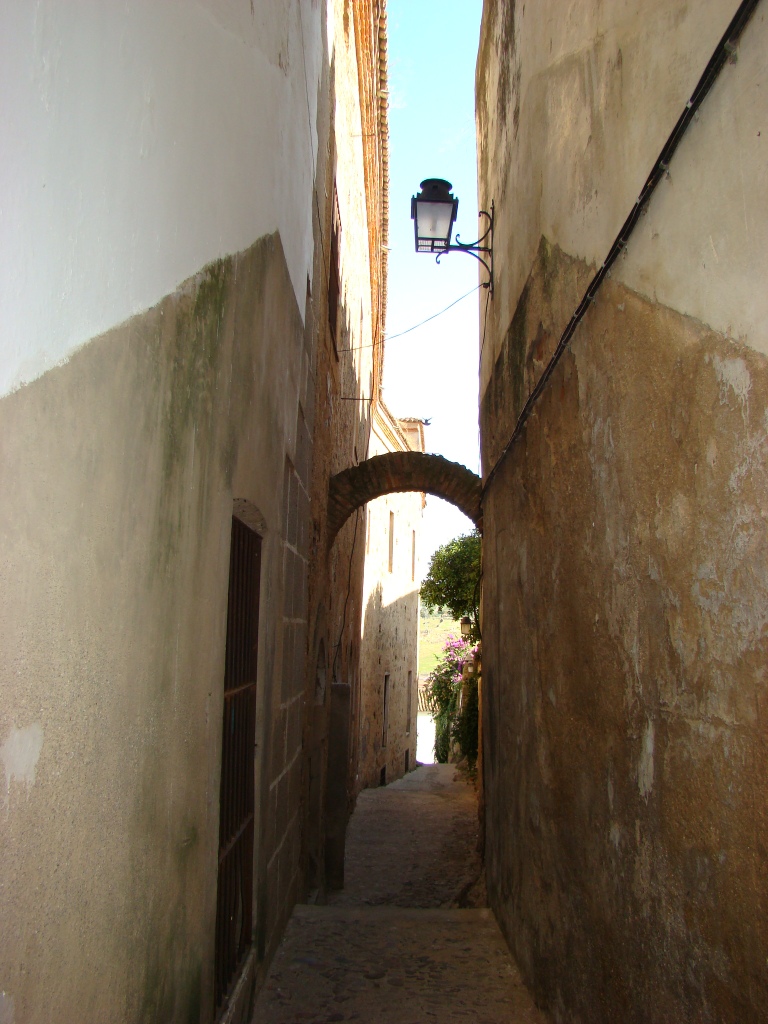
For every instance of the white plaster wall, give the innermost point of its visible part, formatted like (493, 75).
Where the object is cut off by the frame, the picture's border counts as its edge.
(140, 141)
(600, 88)
(701, 248)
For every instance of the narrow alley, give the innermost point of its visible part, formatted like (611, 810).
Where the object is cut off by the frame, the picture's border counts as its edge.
(296, 296)
(409, 939)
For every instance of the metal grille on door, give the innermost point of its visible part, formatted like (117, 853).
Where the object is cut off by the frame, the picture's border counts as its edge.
(234, 907)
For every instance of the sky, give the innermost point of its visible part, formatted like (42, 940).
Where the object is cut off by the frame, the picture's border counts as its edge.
(432, 372)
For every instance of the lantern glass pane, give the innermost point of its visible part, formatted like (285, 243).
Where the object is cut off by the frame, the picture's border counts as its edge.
(433, 220)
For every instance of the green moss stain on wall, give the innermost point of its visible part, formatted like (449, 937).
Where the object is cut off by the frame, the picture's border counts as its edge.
(192, 396)
(172, 983)
(251, 323)
(194, 362)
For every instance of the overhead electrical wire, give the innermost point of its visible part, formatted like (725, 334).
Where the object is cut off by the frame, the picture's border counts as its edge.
(353, 398)
(400, 334)
(434, 316)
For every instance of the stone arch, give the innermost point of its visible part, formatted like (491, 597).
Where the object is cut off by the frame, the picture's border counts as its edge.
(402, 471)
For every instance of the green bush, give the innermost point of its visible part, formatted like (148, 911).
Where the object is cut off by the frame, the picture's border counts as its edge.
(466, 724)
(454, 723)
(453, 579)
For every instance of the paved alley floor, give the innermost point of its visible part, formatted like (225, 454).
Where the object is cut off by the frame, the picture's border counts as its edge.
(414, 844)
(407, 940)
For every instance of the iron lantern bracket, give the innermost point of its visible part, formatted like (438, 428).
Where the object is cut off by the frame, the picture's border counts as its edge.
(475, 248)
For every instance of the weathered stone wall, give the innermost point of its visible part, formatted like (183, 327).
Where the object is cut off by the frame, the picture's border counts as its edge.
(625, 591)
(346, 379)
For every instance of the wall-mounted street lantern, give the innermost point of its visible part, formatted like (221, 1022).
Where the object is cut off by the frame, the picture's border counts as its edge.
(466, 625)
(433, 212)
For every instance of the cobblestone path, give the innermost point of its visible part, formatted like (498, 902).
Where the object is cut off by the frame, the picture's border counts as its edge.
(407, 941)
(414, 844)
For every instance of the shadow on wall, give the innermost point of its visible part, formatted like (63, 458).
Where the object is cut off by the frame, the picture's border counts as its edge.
(388, 687)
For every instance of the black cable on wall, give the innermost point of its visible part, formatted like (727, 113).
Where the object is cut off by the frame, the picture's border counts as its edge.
(723, 51)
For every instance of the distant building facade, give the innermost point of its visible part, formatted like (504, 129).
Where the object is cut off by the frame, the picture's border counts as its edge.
(389, 653)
